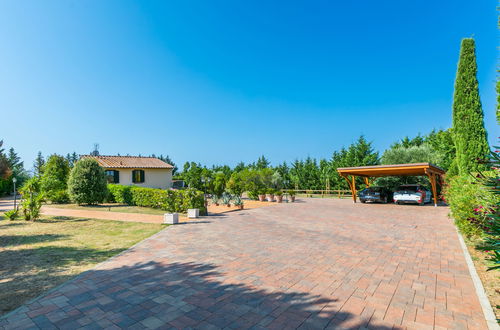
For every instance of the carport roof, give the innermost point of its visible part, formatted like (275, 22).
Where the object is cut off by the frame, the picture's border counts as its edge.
(392, 170)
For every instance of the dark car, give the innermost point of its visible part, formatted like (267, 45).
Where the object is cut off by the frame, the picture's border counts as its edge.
(375, 194)
(412, 193)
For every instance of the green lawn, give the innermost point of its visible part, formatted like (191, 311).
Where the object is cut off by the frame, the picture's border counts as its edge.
(110, 207)
(36, 256)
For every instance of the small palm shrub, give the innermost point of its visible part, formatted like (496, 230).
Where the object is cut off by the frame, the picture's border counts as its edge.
(87, 182)
(32, 199)
(12, 214)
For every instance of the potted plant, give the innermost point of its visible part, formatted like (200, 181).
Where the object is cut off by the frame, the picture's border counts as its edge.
(262, 195)
(226, 199)
(238, 202)
(215, 200)
(279, 196)
(292, 195)
(270, 195)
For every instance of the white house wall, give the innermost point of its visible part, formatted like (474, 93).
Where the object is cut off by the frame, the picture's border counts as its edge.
(153, 177)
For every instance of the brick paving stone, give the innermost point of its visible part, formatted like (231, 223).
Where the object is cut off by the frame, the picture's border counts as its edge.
(313, 264)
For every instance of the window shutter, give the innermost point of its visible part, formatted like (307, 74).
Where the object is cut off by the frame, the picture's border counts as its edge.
(142, 176)
(116, 175)
(133, 176)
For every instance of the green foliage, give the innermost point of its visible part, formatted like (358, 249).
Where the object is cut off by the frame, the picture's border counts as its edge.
(87, 182)
(469, 134)
(492, 239)
(236, 184)
(71, 158)
(38, 164)
(12, 214)
(194, 175)
(219, 184)
(53, 182)
(120, 194)
(32, 199)
(5, 171)
(442, 144)
(262, 163)
(167, 200)
(469, 202)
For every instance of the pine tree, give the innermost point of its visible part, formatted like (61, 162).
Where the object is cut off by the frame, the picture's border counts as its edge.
(262, 163)
(469, 134)
(38, 164)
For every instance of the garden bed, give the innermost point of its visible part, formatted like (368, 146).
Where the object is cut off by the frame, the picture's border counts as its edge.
(37, 256)
(490, 279)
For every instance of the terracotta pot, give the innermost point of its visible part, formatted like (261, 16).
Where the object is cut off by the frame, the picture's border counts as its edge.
(216, 204)
(228, 205)
(240, 206)
(262, 198)
(279, 198)
(292, 199)
(270, 198)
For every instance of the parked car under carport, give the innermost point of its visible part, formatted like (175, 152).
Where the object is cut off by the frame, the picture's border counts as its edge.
(375, 194)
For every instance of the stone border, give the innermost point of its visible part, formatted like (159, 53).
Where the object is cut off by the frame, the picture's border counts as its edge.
(489, 315)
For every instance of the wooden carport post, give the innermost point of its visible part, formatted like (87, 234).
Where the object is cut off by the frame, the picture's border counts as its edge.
(432, 179)
(352, 185)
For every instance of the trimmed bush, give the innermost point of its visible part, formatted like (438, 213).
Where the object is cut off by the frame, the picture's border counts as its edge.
(167, 200)
(87, 182)
(119, 194)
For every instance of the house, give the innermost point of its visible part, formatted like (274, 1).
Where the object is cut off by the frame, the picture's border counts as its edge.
(136, 171)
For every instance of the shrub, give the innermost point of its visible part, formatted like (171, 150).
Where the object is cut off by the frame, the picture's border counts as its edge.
(469, 202)
(120, 194)
(12, 214)
(32, 199)
(87, 182)
(53, 182)
(167, 200)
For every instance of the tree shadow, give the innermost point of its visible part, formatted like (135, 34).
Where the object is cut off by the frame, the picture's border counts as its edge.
(183, 295)
(14, 240)
(58, 218)
(27, 273)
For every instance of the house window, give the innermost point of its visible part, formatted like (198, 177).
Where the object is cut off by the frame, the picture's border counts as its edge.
(137, 176)
(113, 176)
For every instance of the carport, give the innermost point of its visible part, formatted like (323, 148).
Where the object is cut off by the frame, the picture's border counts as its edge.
(418, 169)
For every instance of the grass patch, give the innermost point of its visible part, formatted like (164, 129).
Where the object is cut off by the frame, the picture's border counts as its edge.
(37, 256)
(110, 207)
(490, 279)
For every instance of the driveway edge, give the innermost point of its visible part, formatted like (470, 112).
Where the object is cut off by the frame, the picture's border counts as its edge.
(489, 315)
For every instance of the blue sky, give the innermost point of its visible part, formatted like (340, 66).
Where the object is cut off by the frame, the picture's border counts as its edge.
(223, 81)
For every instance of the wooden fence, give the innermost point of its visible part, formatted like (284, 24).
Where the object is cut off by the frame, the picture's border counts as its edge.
(322, 193)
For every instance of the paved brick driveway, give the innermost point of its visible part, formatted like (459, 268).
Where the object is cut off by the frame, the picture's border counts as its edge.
(313, 264)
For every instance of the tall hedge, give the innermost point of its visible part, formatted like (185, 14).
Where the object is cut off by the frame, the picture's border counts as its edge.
(469, 134)
(167, 200)
(87, 182)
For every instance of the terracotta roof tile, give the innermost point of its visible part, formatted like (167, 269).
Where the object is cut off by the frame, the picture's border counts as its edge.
(128, 162)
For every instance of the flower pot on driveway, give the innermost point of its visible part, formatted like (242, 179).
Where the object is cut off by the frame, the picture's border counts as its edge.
(262, 198)
(270, 198)
(292, 199)
(171, 218)
(193, 213)
(279, 198)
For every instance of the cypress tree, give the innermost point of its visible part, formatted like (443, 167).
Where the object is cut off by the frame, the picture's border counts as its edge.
(469, 134)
